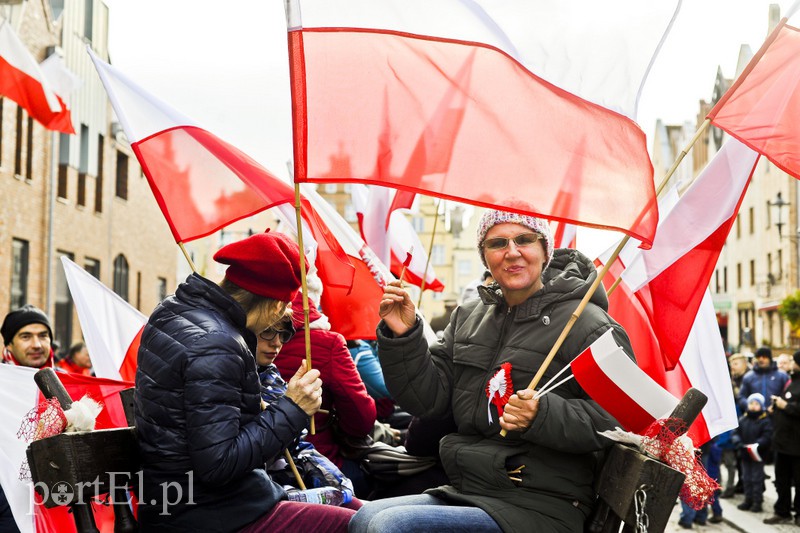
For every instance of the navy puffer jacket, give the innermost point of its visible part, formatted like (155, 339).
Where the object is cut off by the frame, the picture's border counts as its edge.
(202, 434)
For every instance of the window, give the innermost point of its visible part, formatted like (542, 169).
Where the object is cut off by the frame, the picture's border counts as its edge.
(725, 279)
(63, 164)
(769, 265)
(437, 254)
(64, 308)
(121, 277)
(98, 183)
(418, 223)
(161, 289)
(716, 281)
(88, 18)
(92, 266)
(29, 150)
(752, 218)
(752, 272)
(348, 188)
(738, 275)
(330, 188)
(768, 211)
(138, 290)
(18, 149)
(83, 165)
(122, 176)
(19, 273)
(780, 264)
(350, 214)
(738, 225)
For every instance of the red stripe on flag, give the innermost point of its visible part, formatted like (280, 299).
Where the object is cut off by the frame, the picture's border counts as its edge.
(605, 392)
(129, 364)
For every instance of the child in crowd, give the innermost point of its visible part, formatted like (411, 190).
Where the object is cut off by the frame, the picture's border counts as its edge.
(755, 429)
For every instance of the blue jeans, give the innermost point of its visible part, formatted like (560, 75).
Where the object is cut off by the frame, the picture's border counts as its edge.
(420, 513)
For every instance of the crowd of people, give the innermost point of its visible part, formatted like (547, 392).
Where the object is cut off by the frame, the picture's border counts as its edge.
(225, 397)
(767, 398)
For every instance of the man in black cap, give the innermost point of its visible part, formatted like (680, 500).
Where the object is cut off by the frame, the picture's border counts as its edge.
(785, 412)
(764, 378)
(27, 338)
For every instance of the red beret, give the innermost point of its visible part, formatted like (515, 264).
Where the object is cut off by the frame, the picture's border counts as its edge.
(266, 264)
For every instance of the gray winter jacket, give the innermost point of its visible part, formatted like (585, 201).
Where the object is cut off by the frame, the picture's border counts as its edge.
(558, 453)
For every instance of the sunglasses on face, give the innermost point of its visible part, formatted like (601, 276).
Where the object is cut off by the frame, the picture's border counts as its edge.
(285, 333)
(521, 240)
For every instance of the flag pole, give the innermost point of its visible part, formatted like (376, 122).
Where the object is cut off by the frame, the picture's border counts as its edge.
(304, 283)
(596, 283)
(664, 182)
(187, 256)
(430, 249)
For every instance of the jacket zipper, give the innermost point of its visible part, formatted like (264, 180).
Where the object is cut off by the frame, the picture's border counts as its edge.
(491, 370)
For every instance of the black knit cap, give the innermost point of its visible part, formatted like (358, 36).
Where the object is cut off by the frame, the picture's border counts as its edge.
(16, 320)
(764, 352)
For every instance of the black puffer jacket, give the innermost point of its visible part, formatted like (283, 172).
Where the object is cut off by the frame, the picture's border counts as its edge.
(786, 438)
(555, 458)
(201, 429)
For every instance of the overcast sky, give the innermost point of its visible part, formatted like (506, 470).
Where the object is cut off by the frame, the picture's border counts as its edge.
(225, 64)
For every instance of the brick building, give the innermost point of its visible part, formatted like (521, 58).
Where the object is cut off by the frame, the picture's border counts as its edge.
(82, 196)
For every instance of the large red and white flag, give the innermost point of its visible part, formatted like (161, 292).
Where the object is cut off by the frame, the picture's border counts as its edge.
(201, 183)
(535, 84)
(761, 107)
(112, 328)
(63, 82)
(614, 381)
(22, 81)
(18, 395)
(676, 271)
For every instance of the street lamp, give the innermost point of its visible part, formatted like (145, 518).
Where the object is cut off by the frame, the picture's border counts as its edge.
(778, 204)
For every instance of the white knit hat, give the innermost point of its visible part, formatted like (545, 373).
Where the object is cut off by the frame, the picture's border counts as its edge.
(493, 217)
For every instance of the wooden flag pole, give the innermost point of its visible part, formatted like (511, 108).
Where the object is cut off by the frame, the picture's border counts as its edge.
(596, 283)
(430, 249)
(187, 256)
(304, 284)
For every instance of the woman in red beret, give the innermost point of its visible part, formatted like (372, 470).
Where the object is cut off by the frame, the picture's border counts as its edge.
(203, 436)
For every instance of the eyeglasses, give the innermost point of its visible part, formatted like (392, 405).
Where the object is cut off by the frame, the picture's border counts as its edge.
(521, 240)
(285, 334)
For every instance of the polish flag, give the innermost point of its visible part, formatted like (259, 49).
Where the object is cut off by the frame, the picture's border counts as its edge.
(352, 312)
(676, 271)
(614, 381)
(22, 81)
(200, 182)
(112, 328)
(536, 86)
(63, 82)
(18, 395)
(385, 229)
(761, 107)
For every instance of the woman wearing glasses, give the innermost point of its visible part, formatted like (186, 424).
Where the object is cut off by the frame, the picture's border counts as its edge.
(538, 477)
(203, 436)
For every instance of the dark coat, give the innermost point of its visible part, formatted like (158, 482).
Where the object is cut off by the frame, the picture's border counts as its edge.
(199, 418)
(786, 438)
(756, 429)
(767, 381)
(559, 450)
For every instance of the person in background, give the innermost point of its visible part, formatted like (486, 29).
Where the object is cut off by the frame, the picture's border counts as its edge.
(203, 436)
(755, 430)
(784, 361)
(343, 392)
(785, 411)
(730, 445)
(27, 338)
(77, 360)
(764, 378)
(369, 368)
(540, 475)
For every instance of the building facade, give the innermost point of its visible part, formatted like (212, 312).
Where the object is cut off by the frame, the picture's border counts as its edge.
(82, 196)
